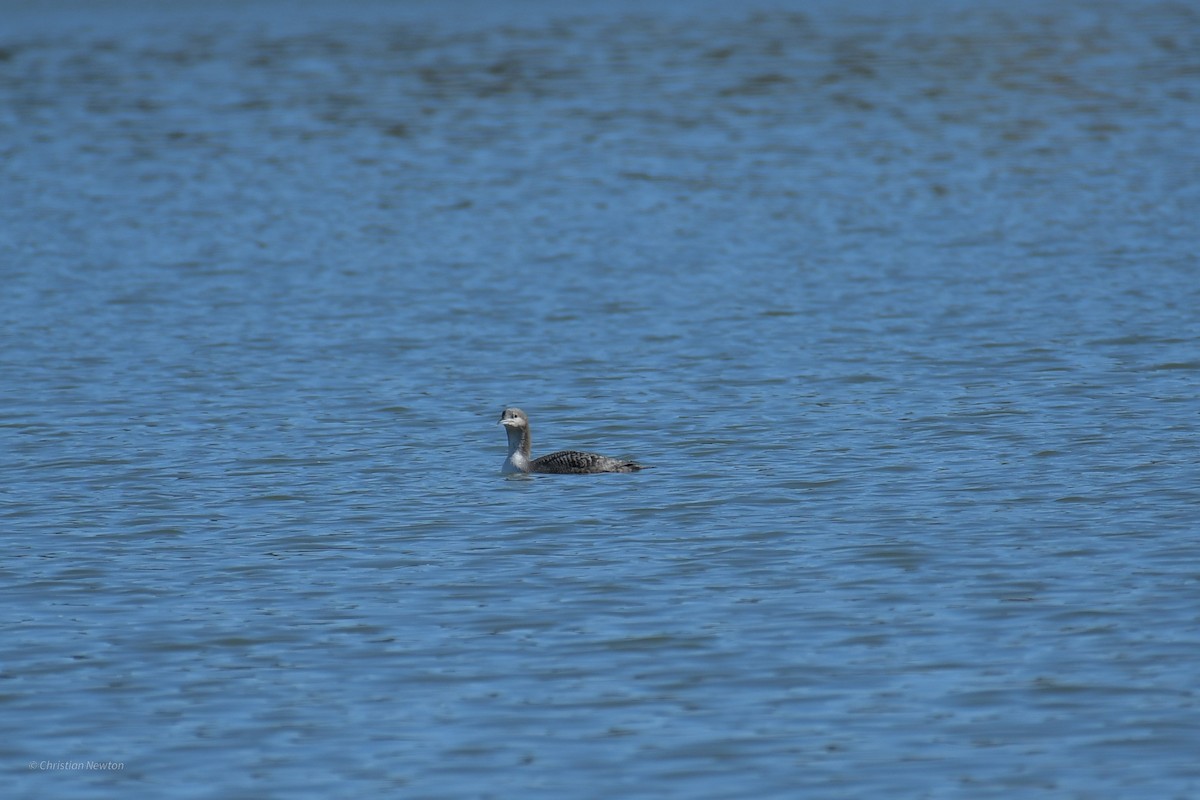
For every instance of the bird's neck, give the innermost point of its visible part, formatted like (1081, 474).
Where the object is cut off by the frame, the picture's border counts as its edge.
(519, 448)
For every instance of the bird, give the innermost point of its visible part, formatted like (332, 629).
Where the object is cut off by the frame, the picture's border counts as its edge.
(516, 425)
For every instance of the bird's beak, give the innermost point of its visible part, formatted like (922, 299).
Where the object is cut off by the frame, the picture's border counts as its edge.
(508, 423)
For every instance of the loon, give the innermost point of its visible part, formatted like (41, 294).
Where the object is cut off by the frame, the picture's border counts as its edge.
(516, 425)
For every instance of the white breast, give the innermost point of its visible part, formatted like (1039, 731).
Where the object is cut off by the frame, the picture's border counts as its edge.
(516, 462)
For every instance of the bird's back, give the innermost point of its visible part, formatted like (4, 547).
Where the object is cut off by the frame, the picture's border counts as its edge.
(579, 463)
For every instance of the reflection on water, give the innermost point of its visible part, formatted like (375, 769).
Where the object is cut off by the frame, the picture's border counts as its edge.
(901, 304)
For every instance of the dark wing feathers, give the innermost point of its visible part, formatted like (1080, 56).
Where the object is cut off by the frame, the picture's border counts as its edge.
(576, 462)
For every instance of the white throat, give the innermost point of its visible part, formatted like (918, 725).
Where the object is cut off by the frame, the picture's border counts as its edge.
(518, 455)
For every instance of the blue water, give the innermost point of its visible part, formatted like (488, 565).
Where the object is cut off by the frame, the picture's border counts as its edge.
(901, 305)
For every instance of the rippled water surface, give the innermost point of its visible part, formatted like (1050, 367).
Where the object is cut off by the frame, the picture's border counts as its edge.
(902, 306)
